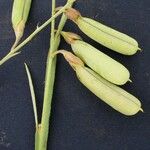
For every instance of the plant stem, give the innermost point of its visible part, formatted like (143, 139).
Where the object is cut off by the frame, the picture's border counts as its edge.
(42, 133)
(42, 136)
(62, 23)
(13, 52)
(52, 25)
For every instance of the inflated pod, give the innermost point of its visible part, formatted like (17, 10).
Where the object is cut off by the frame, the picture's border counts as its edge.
(114, 96)
(20, 14)
(116, 88)
(104, 35)
(120, 101)
(101, 63)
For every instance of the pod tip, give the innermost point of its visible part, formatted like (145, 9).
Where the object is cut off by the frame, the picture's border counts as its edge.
(139, 49)
(141, 110)
(130, 80)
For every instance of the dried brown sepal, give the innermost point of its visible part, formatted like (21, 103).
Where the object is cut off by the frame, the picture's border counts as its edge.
(70, 37)
(72, 14)
(73, 60)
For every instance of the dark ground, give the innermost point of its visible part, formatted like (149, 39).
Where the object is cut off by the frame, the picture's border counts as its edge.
(80, 121)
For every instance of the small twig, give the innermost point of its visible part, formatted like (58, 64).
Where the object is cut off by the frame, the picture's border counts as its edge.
(32, 94)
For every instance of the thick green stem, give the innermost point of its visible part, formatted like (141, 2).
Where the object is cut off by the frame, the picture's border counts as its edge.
(42, 133)
(44, 127)
(13, 52)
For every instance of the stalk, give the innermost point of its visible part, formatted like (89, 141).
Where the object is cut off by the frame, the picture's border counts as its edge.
(41, 136)
(42, 133)
(14, 52)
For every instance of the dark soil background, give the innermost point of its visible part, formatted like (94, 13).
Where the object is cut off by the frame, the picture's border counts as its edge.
(80, 121)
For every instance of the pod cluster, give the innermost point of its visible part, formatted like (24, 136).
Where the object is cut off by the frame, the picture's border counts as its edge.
(101, 63)
(111, 94)
(104, 73)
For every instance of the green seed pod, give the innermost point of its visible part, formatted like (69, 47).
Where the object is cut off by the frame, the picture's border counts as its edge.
(104, 35)
(114, 96)
(101, 63)
(20, 14)
(116, 88)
